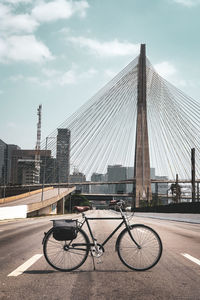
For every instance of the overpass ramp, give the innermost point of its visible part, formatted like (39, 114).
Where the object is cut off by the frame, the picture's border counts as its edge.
(49, 201)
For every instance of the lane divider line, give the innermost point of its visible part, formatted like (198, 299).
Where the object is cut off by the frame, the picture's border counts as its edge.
(26, 265)
(193, 259)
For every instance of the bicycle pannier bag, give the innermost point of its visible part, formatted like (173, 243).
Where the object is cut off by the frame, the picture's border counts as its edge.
(64, 230)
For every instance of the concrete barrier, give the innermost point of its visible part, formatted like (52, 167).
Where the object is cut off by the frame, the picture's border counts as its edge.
(42, 204)
(183, 207)
(35, 209)
(13, 212)
(20, 196)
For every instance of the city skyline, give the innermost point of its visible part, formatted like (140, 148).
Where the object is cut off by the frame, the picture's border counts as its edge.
(74, 56)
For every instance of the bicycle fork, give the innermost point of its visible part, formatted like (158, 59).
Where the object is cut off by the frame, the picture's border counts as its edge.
(132, 238)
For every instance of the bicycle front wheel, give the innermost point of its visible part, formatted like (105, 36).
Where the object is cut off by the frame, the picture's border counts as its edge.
(143, 256)
(66, 255)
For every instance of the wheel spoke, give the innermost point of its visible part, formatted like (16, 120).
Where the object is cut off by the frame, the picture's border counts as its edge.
(144, 258)
(62, 255)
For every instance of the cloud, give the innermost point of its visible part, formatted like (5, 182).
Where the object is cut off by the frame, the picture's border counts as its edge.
(165, 69)
(111, 48)
(18, 1)
(188, 3)
(110, 73)
(172, 74)
(4, 10)
(88, 74)
(52, 77)
(16, 77)
(17, 43)
(12, 23)
(50, 72)
(73, 76)
(18, 23)
(68, 78)
(30, 79)
(23, 48)
(64, 30)
(59, 9)
(11, 125)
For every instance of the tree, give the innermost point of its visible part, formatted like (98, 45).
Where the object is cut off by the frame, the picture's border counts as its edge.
(76, 200)
(176, 192)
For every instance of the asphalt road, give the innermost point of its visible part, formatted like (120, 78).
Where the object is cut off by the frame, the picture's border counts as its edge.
(174, 277)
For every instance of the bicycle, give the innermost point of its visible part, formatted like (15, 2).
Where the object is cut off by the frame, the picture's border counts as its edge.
(139, 247)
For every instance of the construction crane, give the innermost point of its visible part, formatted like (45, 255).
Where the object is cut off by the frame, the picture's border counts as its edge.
(37, 147)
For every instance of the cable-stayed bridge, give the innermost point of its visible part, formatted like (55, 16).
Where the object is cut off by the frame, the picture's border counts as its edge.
(138, 119)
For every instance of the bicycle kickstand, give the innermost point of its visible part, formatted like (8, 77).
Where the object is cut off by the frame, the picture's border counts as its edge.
(93, 262)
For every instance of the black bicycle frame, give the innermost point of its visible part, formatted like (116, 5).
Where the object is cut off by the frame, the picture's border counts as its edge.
(113, 232)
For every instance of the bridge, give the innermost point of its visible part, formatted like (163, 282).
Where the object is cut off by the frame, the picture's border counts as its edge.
(39, 202)
(138, 120)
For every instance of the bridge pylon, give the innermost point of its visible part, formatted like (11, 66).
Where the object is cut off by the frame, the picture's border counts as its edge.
(142, 160)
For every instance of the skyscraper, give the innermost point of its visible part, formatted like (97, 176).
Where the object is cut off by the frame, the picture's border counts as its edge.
(23, 169)
(2, 162)
(63, 154)
(117, 173)
(6, 151)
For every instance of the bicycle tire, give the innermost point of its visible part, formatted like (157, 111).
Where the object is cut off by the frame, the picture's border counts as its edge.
(61, 255)
(135, 258)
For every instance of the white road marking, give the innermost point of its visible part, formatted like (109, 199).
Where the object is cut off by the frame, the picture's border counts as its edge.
(25, 266)
(193, 259)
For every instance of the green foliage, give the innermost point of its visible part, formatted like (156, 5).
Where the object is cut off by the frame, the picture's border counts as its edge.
(76, 200)
(144, 203)
(155, 200)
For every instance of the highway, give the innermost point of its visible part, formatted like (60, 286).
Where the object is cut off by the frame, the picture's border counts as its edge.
(36, 197)
(176, 276)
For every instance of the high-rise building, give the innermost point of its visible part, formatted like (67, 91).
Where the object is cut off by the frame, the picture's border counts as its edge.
(130, 174)
(3, 147)
(99, 188)
(8, 162)
(63, 154)
(49, 170)
(97, 177)
(24, 169)
(117, 173)
(77, 177)
(27, 172)
(6, 151)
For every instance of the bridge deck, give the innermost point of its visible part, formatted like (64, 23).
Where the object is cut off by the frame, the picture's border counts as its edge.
(34, 202)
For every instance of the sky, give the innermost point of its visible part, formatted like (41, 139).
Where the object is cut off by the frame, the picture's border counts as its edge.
(60, 53)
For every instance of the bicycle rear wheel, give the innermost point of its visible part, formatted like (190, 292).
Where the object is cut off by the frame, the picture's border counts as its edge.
(66, 255)
(146, 255)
